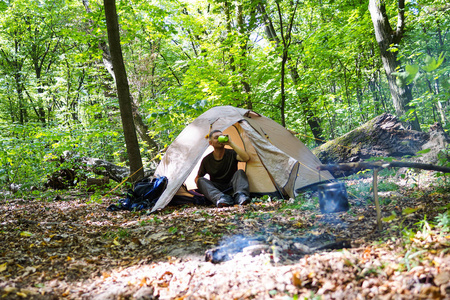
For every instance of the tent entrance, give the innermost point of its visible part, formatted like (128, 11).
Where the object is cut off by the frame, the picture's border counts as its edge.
(259, 179)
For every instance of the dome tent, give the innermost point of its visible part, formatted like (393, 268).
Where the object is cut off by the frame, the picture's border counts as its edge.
(279, 162)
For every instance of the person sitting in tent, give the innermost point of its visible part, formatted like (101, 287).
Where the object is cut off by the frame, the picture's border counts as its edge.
(222, 167)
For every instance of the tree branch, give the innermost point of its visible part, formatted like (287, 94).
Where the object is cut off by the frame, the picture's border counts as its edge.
(382, 165)
(400, 22)
(270, 30)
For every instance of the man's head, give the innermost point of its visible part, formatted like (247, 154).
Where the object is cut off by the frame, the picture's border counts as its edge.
(215, 133)
(213, 139)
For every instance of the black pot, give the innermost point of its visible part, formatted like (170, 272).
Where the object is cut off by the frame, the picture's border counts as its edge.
(333, 197)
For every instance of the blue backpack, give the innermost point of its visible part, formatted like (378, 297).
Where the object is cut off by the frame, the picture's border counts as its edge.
(145, 194)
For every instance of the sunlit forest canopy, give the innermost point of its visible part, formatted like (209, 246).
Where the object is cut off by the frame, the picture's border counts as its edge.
(316, 67)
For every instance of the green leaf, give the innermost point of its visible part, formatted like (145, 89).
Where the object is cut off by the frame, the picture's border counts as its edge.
(412, 71)
(431, 64)
(409, 210)
(3, 6)
(173, 230)
(446, 207)
(424, 151)
(390, 218)
(408, 76)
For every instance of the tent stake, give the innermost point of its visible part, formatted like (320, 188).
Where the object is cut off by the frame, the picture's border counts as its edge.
(375, 197)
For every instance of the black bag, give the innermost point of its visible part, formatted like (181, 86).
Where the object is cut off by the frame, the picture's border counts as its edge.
(145, 194)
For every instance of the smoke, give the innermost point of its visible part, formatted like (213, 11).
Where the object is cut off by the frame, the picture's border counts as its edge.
(230, 246)
(281, 246)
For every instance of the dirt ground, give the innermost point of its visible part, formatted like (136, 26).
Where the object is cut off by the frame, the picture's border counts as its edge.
(271, 249)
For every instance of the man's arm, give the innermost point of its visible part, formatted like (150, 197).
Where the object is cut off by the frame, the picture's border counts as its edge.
(201, 171)
(242, 155)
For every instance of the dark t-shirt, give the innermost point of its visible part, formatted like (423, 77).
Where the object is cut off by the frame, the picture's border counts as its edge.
(220, 171)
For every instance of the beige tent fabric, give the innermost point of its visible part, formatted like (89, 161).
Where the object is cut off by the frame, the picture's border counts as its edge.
(307, 172)
(258, 177)
(272, 148)
(275, 161)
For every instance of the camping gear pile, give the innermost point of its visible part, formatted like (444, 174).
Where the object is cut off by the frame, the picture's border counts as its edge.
(144, 195)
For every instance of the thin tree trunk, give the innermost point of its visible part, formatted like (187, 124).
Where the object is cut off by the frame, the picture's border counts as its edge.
(434, 89)
(311, 119)
(243, 61)
(141, 127)
(386, 36)
(123, 91)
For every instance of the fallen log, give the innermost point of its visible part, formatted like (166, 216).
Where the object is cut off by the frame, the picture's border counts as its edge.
(71, 175)
(92, 183)
(385, 136)
(105, 168)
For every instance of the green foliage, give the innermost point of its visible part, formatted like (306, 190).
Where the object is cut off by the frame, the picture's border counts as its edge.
(184, 57)
(443, 222)
(305, 201)
(154, 220)
(123, 233)
(30, 152)
(173, 230)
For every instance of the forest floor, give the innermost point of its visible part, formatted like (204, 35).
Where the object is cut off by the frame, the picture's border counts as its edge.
(68, 248)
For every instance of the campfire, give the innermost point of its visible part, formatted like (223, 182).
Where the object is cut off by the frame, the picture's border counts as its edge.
(277, 250)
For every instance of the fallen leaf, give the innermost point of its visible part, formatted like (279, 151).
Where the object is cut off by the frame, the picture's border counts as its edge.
(442, 278)
(20, 294)
(9, 289)
(3, 267)
(26, 233)
(296, 279)
(409, 210)
(390, 218)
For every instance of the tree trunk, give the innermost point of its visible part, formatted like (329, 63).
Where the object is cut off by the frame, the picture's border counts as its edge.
(123, 91)
(311, 119)
(386, 37)
(286, 41)
(243, 41)
(282, 88)
(239, 64)
(141, 127)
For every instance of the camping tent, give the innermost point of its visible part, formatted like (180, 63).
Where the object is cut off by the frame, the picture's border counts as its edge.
(279, 162)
